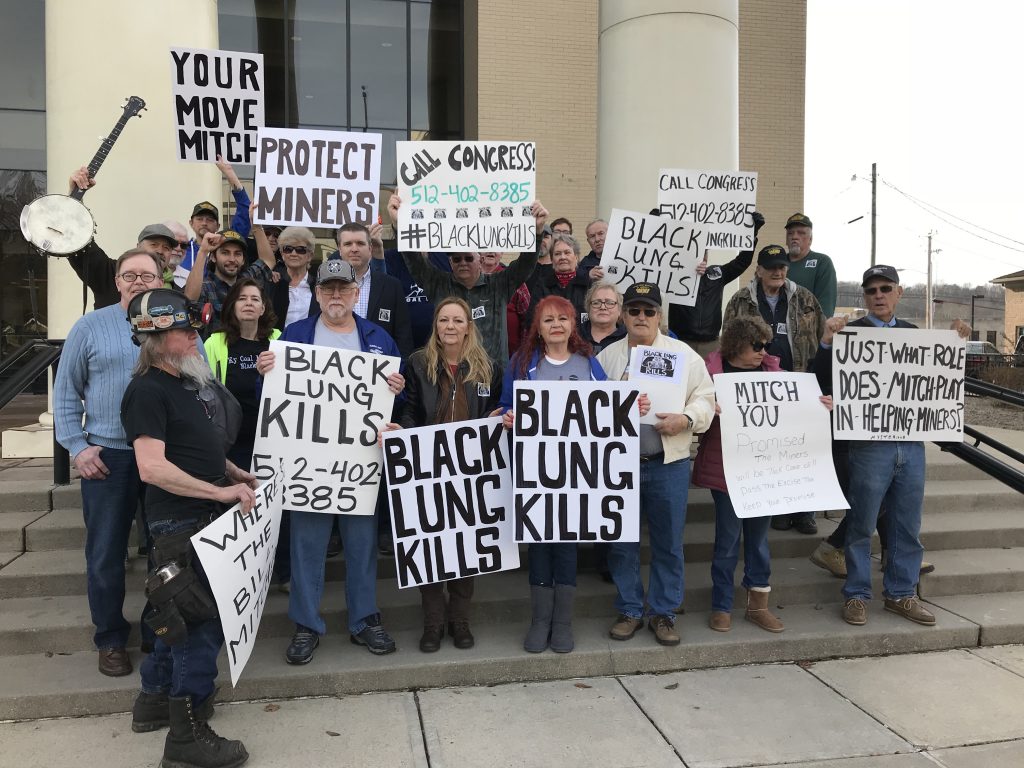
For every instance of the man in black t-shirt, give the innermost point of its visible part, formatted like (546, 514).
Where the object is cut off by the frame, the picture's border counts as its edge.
(169, 417)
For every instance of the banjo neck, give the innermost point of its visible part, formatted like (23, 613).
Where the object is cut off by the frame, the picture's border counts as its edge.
(132, 108)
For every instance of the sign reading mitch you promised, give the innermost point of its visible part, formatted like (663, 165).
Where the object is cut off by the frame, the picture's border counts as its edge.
(898, 384)
(218, 104)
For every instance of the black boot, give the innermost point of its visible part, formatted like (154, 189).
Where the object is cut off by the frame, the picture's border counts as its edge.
(192, 743)
(151, 711)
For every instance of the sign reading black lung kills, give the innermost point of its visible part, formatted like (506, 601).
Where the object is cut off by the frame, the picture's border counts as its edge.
(722, 202)
(218, 104)
(898, 384)
(237, 552)
(319, 413)
(577, 461)
(466, 196)
(451, 501)
(317, 178)
(653, 249)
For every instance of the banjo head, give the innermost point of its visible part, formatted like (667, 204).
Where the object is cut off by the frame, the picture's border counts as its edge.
(57, 224)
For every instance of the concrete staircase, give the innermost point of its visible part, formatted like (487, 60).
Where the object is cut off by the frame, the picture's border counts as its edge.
(973, 531)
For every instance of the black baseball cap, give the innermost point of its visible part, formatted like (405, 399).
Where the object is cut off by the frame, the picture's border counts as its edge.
(773, 256)
(206, 207)
(643, 293)
(798, 220)
(230, 236)
(883, 271)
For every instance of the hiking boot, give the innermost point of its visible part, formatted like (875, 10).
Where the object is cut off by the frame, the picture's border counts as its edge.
(624, 627)
(855, 612)
(804, 523)
(830, 558)
(910, 608)
(664, 632)
(300, 649)
(720, 621)
(374, 637)
(462, 638)
(758, 613)
(151, 711)
(192, 743)
(114, 662)
(430, 641)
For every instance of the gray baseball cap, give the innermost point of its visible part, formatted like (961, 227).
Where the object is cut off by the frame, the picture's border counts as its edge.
(157, 230)
(335, 269)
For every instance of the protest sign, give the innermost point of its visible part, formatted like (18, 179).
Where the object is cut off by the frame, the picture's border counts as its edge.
(450, 487)
(218, 104)
(320, 410)
(577, 461)
(466, 196)
(661, 375)
(776, 444)
(653, 249)
(721, 202)
(898, 384)
(237, 552)
(317, 178)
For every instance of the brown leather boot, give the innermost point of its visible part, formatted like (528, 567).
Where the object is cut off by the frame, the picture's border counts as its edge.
(758, 613)
(720, 621)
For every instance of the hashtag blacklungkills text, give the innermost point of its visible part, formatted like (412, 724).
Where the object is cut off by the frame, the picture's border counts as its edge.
(442, 236)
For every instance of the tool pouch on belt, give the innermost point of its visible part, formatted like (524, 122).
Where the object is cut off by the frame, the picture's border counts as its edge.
(175, 591)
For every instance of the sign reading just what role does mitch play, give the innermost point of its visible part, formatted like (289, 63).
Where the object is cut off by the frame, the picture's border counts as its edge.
(721, 201)
(653, 249)
(776, 444)
(466, 196)
(898, 384)
(237, 552)
(218, 104)
(320, 410)
(576, 453)
(317, 178)
(450, 488)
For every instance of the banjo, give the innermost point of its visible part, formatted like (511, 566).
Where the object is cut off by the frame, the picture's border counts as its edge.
(61, 224)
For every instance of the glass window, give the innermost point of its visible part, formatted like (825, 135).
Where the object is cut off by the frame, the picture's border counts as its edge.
(23, 292)
(380, 89)
(22, 55)
(435, 52)
(318, 43)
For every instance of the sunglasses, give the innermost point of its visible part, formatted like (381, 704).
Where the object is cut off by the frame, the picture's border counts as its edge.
(758, 346)
(299, 249)
(636, 311)
(458, 258)
(888, 288)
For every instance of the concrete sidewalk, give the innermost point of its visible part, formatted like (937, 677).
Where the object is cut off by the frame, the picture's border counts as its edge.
(958, 709)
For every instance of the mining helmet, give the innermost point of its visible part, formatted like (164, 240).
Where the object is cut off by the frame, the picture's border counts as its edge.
(163, 309)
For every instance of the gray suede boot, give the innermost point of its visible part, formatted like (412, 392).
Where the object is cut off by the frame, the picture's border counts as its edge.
(561, 619)
(542, 603)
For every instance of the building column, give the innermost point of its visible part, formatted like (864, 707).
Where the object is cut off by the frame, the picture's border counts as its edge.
(98, 53)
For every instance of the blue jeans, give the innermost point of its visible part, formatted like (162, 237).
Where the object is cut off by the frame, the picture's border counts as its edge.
(552, 564)
(889, 474)
(108, 507)
(663, 492)
(188, 668)
(757, 567)
(310, 532)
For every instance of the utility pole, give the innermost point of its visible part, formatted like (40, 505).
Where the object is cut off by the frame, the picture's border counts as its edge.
(928, 288)
(874, 197)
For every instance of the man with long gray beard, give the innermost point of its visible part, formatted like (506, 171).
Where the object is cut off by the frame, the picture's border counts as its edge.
(174, 420)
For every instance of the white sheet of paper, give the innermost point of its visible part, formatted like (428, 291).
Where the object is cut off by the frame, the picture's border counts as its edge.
(661, 374)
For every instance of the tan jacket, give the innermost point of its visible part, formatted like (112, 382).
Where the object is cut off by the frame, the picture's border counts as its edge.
(700, 391)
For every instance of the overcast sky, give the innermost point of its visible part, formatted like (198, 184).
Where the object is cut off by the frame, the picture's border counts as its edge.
(929, 90)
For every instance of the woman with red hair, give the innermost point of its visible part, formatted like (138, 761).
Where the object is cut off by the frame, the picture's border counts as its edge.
(551, 350)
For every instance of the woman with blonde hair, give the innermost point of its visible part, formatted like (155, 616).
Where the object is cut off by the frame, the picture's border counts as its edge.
(450, 379)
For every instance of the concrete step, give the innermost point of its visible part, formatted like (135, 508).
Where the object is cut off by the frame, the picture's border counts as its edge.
(974, 572)
(12, 529)
(22, 494)
(1000, 615)
(58, 685)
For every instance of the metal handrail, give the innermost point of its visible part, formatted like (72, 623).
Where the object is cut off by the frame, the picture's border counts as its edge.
(19, 353)
(987, 389)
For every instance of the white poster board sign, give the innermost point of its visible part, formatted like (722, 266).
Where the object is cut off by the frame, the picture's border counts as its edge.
(461, 196)
(451, 501)
(218, 104)
(237, 552)
(317, 178)
(722, 202)
(776, 444)
(653, 249)
(898, 384)
(661, 375)
(320, 410)
(577, 461)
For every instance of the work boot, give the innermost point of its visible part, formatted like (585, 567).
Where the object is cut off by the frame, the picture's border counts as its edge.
(758, 613)
(804, 523)
(430, 642)
(830, 558)
(542, 605)
(664, 630)
(192, 743)
(720, 621)
(624, 627)
(462, 638)
(782, 522)
(151, 711)
(561, 619)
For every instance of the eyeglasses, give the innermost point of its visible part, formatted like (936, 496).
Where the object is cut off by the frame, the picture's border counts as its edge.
(758, 346)
(458, 258)
(635, 311)
(603, 303)
(887, 288)
(299, 249)
(146, 277)
(335, 286)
